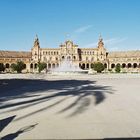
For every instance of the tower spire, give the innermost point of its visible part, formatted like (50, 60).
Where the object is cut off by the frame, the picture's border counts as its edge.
(100, 37)
(36, 42)
(36, 36)
(100, 43)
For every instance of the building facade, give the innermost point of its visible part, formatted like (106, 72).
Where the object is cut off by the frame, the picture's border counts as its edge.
(81, 57)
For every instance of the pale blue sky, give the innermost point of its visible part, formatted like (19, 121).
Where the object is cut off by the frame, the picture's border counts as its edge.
(79, 20)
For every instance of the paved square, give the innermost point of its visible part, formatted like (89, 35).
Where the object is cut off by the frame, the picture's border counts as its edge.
(65, 107)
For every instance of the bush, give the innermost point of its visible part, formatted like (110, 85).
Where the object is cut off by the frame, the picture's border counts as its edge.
(99, 67)
(41, 66)
(2, 67)
(92, 66)
(13, 67)
(118, 68)
(18, 67)
(110, 70)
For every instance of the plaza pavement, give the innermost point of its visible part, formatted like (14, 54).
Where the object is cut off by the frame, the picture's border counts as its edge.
(34, 106)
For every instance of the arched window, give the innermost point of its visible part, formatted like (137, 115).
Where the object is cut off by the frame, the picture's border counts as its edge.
(105, 65)
(112, 66)
(7, 65)
(57, 65)
(129, 65)
(2, 68)
(53, 65)
(49, 65)
(83, 66)
(123, 65)
(35, 65)
(87, 66)
(135, 65)
(31, 65)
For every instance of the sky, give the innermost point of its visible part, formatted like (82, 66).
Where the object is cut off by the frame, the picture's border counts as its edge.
(82, 21)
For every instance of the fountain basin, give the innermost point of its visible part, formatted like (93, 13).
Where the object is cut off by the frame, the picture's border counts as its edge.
(68, 72)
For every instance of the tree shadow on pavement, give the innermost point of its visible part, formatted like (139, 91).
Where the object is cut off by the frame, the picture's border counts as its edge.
(12, 136)
(85, 93)
(5, 122)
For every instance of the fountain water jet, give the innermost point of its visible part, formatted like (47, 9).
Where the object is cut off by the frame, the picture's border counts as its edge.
(67, 68)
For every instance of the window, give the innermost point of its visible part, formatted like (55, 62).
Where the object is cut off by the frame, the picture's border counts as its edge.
(129, 65)
(105, 65)
(31, 65)
(123, 65)
(35, 65)
(7, 65)
(112, 65)
(135, 65)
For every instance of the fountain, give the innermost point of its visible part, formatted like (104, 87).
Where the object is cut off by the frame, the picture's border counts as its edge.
(67, 68)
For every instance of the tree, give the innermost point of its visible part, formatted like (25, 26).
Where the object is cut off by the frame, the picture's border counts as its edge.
(92, 65)
(19, 66)
(41, 66)
(13, 66)
(2, 67)
(99, 67)
(118, 68)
